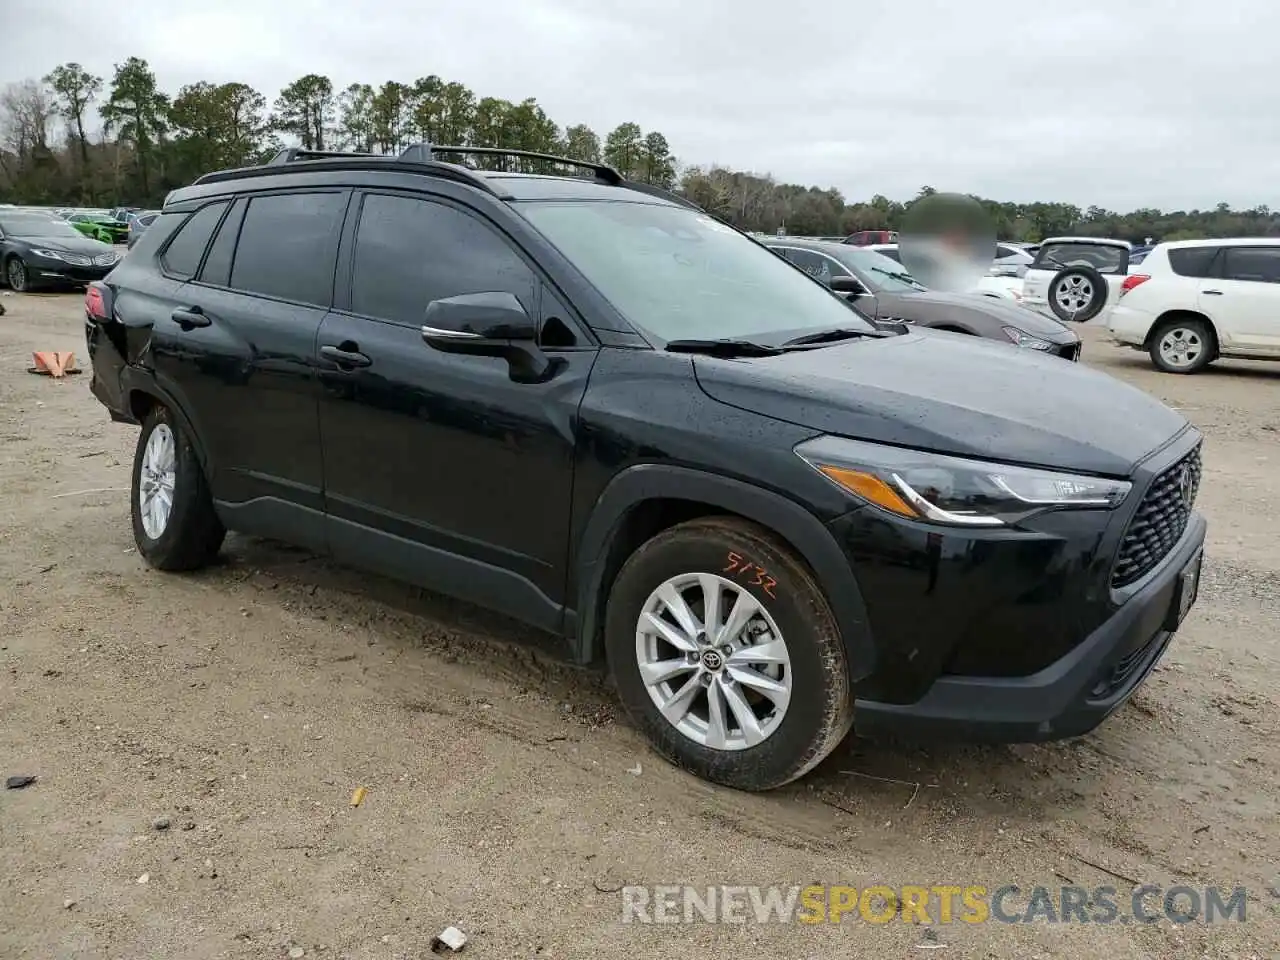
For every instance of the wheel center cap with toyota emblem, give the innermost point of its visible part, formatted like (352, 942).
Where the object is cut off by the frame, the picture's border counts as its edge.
(712, 660)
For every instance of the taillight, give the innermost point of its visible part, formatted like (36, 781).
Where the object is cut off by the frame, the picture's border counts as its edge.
(1132, 282)
(95, 304)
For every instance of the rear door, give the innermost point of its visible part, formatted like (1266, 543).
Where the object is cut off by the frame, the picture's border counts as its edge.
(1244, 300)
(239, 347)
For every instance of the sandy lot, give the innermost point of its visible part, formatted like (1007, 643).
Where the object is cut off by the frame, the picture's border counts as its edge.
(245, 704)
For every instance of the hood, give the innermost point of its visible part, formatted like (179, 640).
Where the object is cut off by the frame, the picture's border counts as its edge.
(86, 246)
(953, 394)
(935, 305)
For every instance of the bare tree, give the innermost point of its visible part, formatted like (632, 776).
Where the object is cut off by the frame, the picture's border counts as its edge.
(26, 114)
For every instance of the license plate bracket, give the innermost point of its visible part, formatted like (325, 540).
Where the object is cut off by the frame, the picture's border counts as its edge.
(1186, 592)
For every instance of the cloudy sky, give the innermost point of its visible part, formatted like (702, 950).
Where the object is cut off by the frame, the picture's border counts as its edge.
(1121, 103)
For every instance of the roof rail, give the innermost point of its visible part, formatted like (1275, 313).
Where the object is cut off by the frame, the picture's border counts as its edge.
(423, 152)
(292, 154)
(356, 161)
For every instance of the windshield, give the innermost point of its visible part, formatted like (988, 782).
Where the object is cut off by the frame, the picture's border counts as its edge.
(880, 273)
(680, 275)
(37, 227)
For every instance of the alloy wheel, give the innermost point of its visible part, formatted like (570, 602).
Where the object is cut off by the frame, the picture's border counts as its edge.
(1074, 294)
(159, 473)
(1181, 347)
(713, 661)
(17, 275)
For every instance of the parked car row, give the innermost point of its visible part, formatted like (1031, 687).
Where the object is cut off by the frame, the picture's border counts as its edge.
(588, 404)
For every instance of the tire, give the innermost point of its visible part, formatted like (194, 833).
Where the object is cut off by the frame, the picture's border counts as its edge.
(189, 536)
(16, 275)
(1077, 294)
(736, 559)
(1182, 345)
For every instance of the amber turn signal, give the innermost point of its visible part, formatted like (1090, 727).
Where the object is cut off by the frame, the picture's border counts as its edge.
(869, 487)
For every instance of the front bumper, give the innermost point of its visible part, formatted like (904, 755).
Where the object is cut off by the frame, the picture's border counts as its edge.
(1070, 696)
(46, 272)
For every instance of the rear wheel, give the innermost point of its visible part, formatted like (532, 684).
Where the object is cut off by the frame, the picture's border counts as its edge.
(727, 656)
(1182, 346)
(174, 523)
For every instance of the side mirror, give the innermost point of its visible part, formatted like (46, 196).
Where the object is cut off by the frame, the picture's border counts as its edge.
(488, 325)
(477, 323)
(848, 285)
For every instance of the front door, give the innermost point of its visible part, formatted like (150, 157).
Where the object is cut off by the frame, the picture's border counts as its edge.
(441, 469)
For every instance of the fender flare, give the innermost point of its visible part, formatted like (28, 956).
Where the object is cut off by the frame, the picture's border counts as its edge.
(801, 530)
(137, 380)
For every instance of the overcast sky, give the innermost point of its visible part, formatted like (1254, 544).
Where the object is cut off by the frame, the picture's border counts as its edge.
(1122, 103)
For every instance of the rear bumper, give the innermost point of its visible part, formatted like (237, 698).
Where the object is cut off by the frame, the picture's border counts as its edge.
(1129, 326)
(1069, 697)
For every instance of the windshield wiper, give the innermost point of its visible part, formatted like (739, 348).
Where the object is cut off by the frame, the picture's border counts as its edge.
(828, 336)
(723, 348)
(900, 275)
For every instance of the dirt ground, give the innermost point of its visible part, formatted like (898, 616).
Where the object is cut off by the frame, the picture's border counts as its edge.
(505, 794)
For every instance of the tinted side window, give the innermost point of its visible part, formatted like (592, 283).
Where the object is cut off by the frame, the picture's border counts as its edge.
(288, 246)
(217, 265)
(409, 252)
(1192, 261)
(1259, 264)
(182, 257)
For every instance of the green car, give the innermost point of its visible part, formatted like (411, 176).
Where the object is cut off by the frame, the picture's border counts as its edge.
(100, 225)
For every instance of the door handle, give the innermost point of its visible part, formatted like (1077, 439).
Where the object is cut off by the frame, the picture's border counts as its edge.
(344, 358)
(190, 317)
(1213, 293)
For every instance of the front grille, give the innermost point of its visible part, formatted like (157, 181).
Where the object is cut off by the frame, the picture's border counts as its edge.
(1160, 520)
(1070, 352)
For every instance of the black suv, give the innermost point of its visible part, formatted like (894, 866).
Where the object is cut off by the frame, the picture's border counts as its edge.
(593, 407)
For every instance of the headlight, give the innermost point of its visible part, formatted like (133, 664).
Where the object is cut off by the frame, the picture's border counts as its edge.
(1026, 340)
(949, 490)
(49, 254)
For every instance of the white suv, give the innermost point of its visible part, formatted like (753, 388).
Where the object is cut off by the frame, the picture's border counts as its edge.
(1197, 300)
(1076, 278)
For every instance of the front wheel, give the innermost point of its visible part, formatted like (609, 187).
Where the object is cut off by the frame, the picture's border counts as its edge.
(16, 273)
(726, 654)
(174, 523)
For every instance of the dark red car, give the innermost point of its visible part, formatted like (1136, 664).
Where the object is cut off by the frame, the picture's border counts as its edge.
(866, 237)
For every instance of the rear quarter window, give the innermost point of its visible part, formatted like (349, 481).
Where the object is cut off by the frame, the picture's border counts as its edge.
(181, 258)
(1192, 261)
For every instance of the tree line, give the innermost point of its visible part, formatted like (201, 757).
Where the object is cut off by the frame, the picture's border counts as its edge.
(146, 142)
